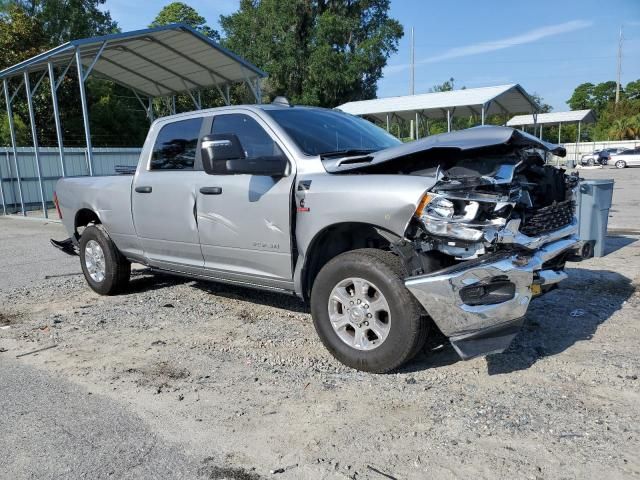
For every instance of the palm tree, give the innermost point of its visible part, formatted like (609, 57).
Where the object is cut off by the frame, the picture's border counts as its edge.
(626, 128)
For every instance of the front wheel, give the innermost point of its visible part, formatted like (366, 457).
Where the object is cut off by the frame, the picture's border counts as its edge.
(621, 164)
(105, 269)
(364, 314)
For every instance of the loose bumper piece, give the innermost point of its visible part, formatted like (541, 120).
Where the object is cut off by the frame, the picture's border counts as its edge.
(484, 320)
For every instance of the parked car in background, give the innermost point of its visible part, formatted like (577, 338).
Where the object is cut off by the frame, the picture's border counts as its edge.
(626, 158)
(600, 157)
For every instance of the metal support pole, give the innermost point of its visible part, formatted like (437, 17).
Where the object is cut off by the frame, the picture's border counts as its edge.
(227, 89)
(559, 131)
(258, 91)
(199, 100)
(417, 126)
(579, 125)
(482, 114)
(4, 203)
(578, 141)
(36, 149)
(12, 133)
(151, 117)
(173, 104)
(540, 136)
(448, 120)
(11, 180)
(85, 111)
(56, 115)
(388, 124)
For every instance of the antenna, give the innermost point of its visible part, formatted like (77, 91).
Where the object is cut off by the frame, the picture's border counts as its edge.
(412, 78)
(620, 40)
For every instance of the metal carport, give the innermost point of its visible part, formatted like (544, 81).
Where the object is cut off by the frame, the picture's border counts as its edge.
(481, 102)
(156, 62)
(554, 118)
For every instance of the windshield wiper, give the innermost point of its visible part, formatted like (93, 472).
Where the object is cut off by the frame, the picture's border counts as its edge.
(347, 152)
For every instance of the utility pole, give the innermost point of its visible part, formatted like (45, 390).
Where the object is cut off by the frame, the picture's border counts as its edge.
(412, 79)
(619, 66)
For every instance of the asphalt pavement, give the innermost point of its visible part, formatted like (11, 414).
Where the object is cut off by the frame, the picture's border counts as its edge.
(53, 429)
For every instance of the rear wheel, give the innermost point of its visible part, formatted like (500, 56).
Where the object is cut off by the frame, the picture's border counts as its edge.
(364, 314)
(621, 164)
(105, 269)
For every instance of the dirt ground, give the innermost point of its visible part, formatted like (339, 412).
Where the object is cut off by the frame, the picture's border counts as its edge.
(240, 383)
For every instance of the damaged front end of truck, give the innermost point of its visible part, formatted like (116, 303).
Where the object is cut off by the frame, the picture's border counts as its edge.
(493, 233)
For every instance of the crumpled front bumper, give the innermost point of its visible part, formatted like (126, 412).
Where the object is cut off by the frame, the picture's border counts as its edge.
(483, 329)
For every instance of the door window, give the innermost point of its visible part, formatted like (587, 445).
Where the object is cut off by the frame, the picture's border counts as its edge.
(176, 145)
(255, 141)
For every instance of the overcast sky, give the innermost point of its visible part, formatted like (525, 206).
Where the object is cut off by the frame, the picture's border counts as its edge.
(547, 46)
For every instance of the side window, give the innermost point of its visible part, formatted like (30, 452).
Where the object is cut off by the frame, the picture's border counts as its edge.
(255, 141)
(175, 147)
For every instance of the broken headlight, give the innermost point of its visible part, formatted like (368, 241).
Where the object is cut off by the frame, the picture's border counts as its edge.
(462, 219)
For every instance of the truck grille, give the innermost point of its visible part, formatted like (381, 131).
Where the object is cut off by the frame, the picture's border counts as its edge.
(549, 218)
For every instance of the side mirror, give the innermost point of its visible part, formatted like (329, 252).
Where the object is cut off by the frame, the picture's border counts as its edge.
(217, 149)
(222, 154)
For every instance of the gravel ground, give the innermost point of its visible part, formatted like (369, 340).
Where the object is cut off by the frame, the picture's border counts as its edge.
(238, 384)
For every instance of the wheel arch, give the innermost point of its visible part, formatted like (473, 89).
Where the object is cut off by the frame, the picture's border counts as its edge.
(84, 216)
(338, 238)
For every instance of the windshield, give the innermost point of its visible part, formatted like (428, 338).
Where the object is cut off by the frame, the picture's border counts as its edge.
(323, 132)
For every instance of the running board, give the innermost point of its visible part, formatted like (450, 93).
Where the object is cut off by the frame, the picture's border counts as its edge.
(65, 246)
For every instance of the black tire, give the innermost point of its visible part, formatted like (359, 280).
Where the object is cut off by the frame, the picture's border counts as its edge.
(117, 269)
(620, 164)
(591, 162)
(408, 328)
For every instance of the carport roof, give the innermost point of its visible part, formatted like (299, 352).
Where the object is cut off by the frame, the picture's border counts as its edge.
(155, 62)
(573, 116)
(500, 99)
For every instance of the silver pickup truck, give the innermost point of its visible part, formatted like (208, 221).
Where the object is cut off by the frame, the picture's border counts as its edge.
(453, 234)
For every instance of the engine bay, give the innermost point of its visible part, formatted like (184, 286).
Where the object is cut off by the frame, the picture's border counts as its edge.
(477, 199)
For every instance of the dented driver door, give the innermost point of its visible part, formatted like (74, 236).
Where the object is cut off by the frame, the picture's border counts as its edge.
(244, 220)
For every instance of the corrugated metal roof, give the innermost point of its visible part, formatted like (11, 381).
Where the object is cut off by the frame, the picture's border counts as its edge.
(510, 98)
(573, 116)
(155, 62)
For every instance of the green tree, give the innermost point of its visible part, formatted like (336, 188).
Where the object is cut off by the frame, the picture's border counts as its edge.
(21, 36)
(31, 27)
(590, 96)
(178, 12)
(64, 20)
(582, 97)
(317, 52)
(632, 90)
(625, 128)
(445, 86)
(603, 93)
(23, 136)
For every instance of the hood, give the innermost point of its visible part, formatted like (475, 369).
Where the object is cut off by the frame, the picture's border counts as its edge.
(482, 139)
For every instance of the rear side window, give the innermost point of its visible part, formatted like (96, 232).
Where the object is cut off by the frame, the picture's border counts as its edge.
(255, 141)
(175, 147)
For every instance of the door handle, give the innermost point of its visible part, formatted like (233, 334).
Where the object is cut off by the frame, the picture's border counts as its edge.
(211, 190)
(144, 189)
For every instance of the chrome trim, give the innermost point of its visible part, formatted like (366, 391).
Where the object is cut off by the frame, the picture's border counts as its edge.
(438, 293)
(510, 234)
